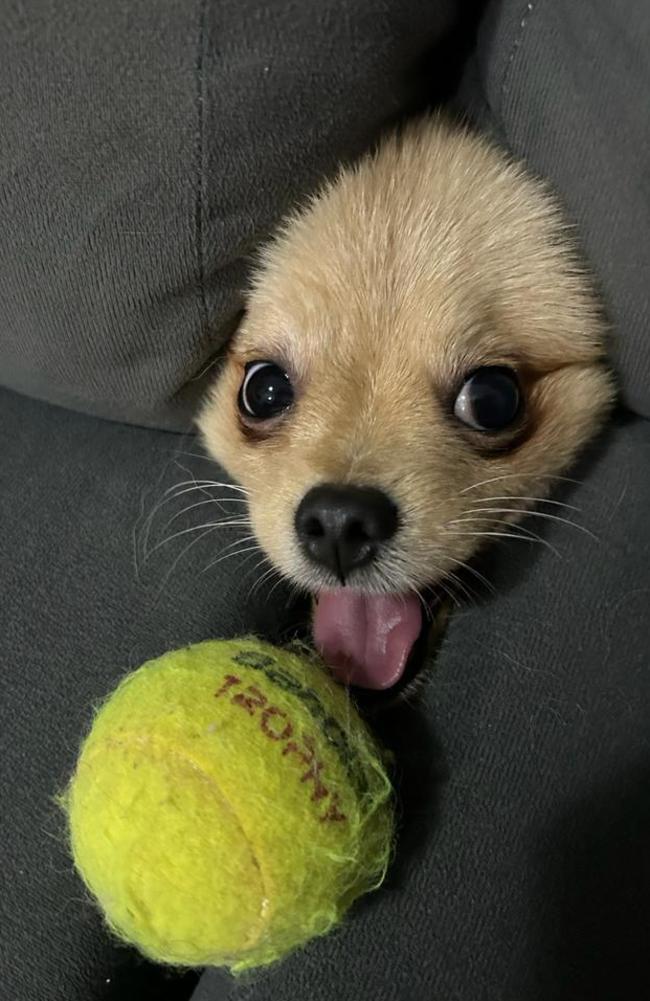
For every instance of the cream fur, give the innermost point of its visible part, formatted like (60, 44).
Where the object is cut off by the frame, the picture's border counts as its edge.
(432, 257)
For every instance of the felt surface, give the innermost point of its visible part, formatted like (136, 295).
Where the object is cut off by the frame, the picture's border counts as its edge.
(228, 805)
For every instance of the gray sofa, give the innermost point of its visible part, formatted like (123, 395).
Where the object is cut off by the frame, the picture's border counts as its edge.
(145, 151)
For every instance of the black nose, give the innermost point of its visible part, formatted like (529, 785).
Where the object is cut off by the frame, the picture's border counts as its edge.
(340, 528)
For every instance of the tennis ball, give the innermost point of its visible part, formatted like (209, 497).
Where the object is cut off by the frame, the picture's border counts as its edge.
(228, 805)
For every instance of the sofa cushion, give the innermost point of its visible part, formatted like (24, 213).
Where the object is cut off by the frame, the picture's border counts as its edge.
(565, 85)
(89, 589)
(145, 151)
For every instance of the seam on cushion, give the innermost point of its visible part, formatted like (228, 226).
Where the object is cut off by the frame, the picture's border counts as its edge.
(507, 71)
(199, 169)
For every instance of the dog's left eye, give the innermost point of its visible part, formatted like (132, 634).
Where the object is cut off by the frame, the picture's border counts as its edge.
(489, 400)
(265, 392)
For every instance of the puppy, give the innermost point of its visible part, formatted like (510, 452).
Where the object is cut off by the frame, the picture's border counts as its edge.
(422, 354)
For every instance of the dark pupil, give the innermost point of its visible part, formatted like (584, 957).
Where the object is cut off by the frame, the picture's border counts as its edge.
(267, 392)
(494, 398)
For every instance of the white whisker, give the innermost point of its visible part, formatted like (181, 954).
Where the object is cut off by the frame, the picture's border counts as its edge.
(536, 514)
(470, 569)
(227, 556)
(277, 583)
(178, 559)
(219, 501)
(535, 500)
(210, 526)
(509, 476)
(206, 483)
(469, 519)
(172, 493)
(456, 582)
(157, 507)
(267, 575)
(511, 535)
(256, 583)
(225, 553)
(452, 597)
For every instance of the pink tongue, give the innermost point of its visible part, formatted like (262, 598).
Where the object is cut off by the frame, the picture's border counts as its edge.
(366, 639)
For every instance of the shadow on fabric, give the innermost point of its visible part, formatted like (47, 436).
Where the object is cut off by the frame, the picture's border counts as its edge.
(595, 936)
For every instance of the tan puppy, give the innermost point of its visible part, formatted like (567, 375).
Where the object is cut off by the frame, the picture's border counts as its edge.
(422, 353)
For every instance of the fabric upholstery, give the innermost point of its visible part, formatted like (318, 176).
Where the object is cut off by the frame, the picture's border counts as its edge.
(564, 85)
(85, 597)
(146, 150)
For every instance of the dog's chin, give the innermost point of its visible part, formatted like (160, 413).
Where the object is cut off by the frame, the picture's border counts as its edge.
(373, 641)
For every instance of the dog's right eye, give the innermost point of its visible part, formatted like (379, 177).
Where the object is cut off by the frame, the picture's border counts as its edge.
(265, 392)
(489, 399)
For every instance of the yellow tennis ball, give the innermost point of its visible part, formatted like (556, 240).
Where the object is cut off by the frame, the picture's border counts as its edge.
(228, 805)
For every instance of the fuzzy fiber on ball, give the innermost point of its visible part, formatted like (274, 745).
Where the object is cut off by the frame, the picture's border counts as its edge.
(228, 805)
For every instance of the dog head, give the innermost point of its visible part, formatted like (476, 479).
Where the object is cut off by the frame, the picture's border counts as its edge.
(420, 356)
